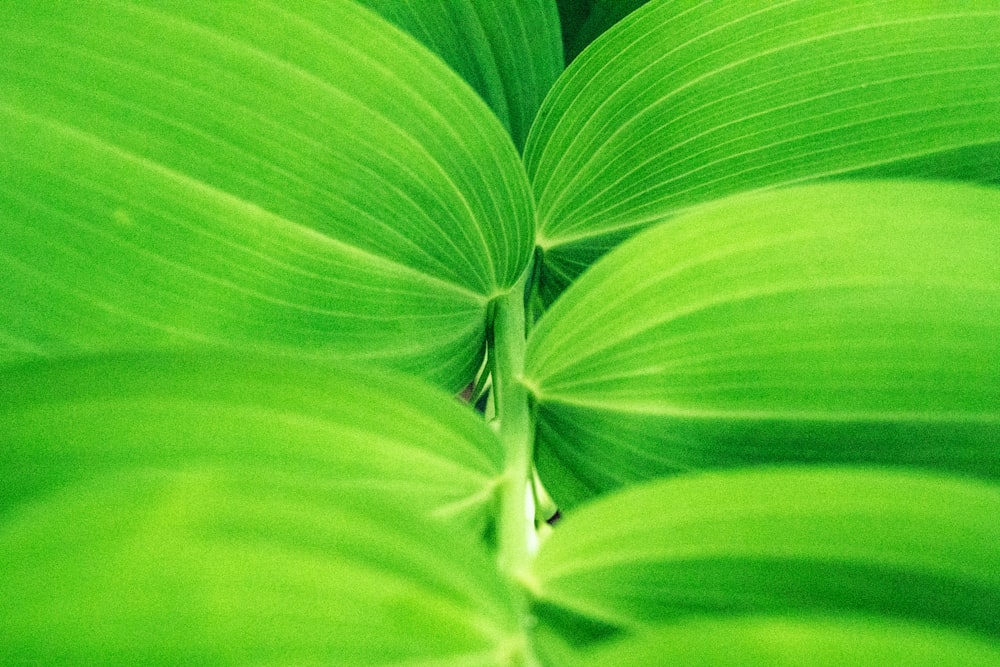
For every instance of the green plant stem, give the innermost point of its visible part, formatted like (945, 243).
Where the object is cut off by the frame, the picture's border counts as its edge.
(516, 529)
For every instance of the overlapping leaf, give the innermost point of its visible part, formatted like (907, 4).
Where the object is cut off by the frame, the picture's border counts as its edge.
(315, 428)
(801, 642)
(686, 101)
(209, 508)
(586, 20)
(266, 173)
(786, 542)
(840, 322)
(185, 566)
(508, 52)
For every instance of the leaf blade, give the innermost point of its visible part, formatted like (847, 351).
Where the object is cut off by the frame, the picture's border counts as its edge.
(791, 541)
(819, 641)
(685, 102)
(326, 428)
(510, 57)
(838, 322)
(264, 171)
(171, 566)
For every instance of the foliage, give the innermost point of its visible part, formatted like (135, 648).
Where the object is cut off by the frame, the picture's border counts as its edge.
(727, 291)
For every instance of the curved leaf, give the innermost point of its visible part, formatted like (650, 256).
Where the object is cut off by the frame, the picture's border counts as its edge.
(686, 101)
(787, 541)
(589, 19)
(805, 642)
(840, 322)
(307, 426)
(572, 16)
(187, 566)
(265, 173)
(509, 52)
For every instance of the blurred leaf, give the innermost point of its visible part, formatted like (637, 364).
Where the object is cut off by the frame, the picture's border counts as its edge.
(248, 173)
(589, 19)
(804, 642)
(185, 566)
(840, 322)
(509, 52)
(786, 541)
(307, 427)
(572, 15)
(687, 101)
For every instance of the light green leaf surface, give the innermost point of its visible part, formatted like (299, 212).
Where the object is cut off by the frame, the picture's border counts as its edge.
(307, 427)
(685, 101)
(799, 642)
(280, 174)
(509, 52)
(840, 322)
(183, 566)
(785, 541)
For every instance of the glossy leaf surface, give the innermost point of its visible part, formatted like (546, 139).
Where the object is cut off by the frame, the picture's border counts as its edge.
(784, 541)
(195, 565)
(840, 322)
(509, 52)
(799, 642)
(305, 426)
(686, 101)
(267, 173)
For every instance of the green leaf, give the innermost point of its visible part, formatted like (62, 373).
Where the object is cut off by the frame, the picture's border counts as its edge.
(787, 642)
(278, 174)
(305, 426)
(187, 565)
(509, 52)
(785, 541)
(686, 101)
(840, 322)
(572, 16)
(589, 19)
